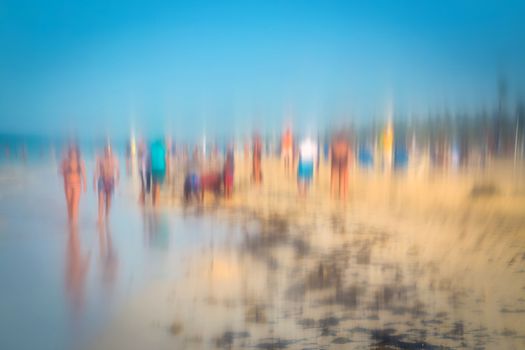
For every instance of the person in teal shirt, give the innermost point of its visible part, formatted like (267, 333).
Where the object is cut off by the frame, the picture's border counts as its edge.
(159, 167)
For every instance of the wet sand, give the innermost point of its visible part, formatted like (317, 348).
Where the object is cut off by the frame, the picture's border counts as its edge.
(409, 261)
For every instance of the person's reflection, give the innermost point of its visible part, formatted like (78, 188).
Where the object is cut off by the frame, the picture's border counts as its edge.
(77, 265)
(156, 230)
(108, 257)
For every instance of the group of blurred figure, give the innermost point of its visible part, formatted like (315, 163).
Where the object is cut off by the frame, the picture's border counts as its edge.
(105, 179)
(305, 157)
(159, 162)
(153, 164)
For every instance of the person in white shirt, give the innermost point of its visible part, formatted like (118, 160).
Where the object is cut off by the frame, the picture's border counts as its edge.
(305, 167)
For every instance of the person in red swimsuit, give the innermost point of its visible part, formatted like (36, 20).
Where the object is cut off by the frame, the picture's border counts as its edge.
(73, 170)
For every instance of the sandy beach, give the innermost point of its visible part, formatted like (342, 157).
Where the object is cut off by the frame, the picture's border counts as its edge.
(410, 260)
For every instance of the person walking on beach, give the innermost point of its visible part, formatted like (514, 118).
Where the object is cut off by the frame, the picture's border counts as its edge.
(340, 154)
(144, 171)
(192, 177)
(159, 167)
(130, 154)
(287, 150)
(228, 173)
(73, 171)
(388, 147)
(105, 179)
(257, 155)
(305, 167)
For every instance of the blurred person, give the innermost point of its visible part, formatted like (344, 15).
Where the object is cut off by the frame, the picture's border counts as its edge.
(306, 163)
(257, 156)
(388, 147)
(192, 178)
(168, 143)
(228, 173)
(73, 171)
(191, 187)
(210, 181)
(211, 175)
(129, 157)
(144, 171)
(339, 154)
(287, 150)
(105, 179)
(216, 159)
(159, 167)
(196, 162)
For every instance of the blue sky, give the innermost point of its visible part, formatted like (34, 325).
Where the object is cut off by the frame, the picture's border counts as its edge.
(94, 67)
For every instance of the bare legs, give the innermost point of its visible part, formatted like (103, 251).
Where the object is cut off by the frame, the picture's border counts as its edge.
(155, 193)
(339, 182)
(287, 165)
(104, 205)
(343, 183)
(72, 200)
(100, 207)
(108, 204)
(257, 173)
(228, 187)
(145, 182)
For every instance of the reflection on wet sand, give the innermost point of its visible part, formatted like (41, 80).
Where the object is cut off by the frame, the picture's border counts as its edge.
(156, 230)
(108, 257)
(77, 265)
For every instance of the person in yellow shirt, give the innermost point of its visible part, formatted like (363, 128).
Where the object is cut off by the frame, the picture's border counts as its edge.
(388, 146)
